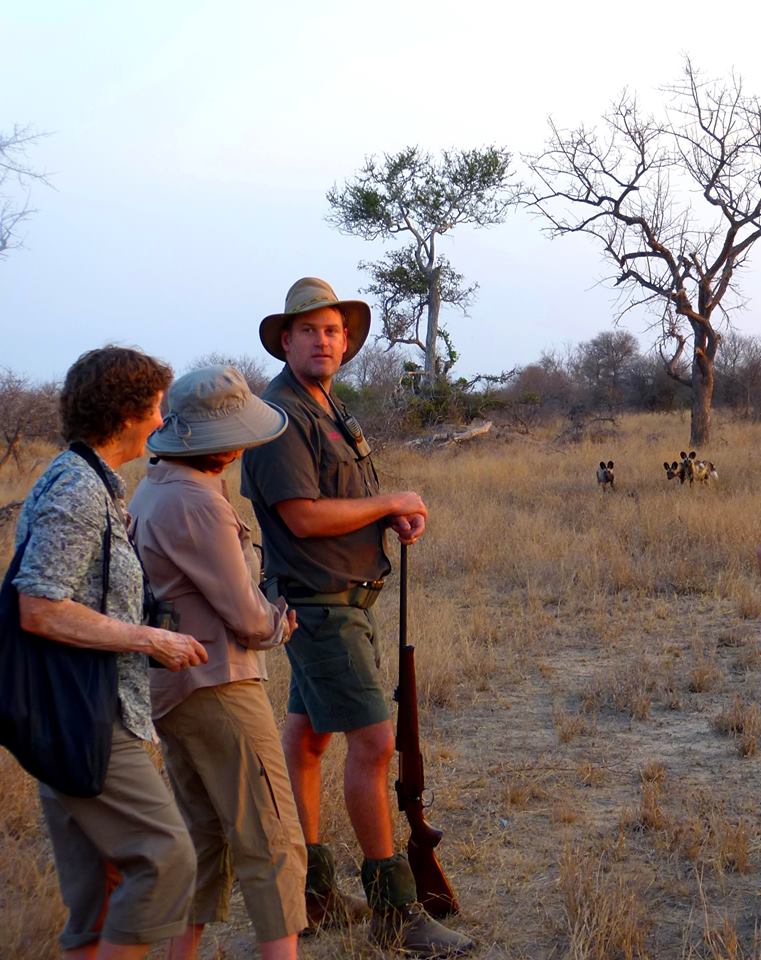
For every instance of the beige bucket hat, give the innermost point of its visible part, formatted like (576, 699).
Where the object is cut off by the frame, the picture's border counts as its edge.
(311, 293)
(212, 410)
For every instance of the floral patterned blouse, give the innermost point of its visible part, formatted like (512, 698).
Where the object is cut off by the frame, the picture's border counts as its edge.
(63, 560)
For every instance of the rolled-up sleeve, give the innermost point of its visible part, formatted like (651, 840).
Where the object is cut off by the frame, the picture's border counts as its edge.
(66, 536)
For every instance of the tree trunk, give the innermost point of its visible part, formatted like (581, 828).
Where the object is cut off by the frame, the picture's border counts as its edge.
(706, 342)
(702, 400)
(432, 331)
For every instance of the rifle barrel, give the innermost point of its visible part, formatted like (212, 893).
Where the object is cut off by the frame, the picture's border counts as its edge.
(403, 598)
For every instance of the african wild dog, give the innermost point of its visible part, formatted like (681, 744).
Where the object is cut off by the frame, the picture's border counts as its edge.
(703, 471)
(674, 471)
(691, 469)
(605, 475)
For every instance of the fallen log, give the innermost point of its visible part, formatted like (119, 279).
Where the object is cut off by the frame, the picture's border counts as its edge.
(451, 438)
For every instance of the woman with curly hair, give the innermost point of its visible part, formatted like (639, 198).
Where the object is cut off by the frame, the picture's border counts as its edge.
(110, 402)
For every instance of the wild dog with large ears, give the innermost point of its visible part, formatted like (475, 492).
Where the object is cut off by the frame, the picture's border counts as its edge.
(605, 475)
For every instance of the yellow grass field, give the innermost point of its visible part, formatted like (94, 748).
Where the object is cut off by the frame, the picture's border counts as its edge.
(589, 667)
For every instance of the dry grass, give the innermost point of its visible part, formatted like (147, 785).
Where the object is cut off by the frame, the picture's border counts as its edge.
(572, 650)
(629, 688)
(741, 720)
(653, 772)
(605, 915)
(705, 674)
(31, 907)
(570, 725)
(651, 815)
(695, 827)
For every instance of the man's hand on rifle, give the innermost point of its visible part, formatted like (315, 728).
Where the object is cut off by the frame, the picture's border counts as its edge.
(408, 517)
(408, 528)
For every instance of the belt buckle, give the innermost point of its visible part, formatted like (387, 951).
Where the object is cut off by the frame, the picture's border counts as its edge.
(372, 589)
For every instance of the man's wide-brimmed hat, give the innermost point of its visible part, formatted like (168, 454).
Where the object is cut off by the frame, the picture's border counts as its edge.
(212, 410)
(311, 293)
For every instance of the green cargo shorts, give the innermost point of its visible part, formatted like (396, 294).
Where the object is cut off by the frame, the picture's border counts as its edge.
(334, 669)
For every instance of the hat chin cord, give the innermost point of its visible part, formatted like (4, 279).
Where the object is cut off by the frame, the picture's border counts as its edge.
(181, 427)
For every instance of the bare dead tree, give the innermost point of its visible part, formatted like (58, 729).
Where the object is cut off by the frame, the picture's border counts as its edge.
(374, 368)
(738, 373)
(15, 175)
(251, 368)
(26, 412)
(600, 366)
(675, 203)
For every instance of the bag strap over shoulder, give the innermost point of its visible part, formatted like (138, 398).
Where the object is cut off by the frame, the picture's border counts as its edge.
(93, 460)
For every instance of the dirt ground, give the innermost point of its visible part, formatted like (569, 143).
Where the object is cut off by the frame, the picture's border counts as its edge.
(589, 670)
(541, 780)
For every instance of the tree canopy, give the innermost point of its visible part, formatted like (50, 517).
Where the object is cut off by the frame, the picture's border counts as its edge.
(415, 194)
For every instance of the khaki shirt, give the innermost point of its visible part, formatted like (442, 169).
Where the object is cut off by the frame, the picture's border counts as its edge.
(198, 553)
(311, 461)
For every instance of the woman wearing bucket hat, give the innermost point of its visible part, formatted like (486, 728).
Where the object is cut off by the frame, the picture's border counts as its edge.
(218, 731)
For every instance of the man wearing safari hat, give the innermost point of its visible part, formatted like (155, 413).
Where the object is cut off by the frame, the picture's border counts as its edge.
(323, 519)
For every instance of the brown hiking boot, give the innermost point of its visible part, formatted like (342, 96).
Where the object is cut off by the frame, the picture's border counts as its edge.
(326, 911)
(411, 930)
(327, 906)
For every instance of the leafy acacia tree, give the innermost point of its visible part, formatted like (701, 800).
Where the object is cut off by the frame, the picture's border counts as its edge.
(403, 293)
(414, 194)
(675, 203)
(15, 172)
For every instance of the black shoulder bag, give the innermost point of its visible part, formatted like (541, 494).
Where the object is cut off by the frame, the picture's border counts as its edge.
(57, 702)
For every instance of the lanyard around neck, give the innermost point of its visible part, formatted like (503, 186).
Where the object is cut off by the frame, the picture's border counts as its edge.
(349, 426)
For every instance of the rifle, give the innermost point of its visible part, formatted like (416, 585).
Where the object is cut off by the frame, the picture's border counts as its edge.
(433, 889)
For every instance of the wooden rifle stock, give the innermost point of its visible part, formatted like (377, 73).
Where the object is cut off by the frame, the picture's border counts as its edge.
(433, 889)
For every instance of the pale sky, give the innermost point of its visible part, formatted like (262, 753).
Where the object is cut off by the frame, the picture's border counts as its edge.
(191, 145)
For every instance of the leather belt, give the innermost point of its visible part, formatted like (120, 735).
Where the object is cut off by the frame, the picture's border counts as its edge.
(363, 595)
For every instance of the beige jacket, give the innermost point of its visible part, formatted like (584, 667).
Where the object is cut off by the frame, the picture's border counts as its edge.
(198, 553)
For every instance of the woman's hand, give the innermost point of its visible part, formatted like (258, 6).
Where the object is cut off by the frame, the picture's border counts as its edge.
(70, 622)
(289, 624)
(176, 651)
(293, 625)
(285, 624)
(287, 618)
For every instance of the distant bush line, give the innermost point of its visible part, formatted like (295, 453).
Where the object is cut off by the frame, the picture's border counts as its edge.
(602, 377)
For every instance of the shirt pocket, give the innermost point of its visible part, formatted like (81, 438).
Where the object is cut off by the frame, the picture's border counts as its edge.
(340, 476)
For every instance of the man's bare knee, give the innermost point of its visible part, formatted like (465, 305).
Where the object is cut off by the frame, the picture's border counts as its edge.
(301, 739)
(372, 745)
